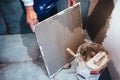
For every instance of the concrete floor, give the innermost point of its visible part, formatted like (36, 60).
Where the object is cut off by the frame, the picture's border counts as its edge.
(31, 67)
(35, 70)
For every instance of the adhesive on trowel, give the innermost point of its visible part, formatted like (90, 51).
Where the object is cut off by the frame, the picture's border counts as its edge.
(91, 58)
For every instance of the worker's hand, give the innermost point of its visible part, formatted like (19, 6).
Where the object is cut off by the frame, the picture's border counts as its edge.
(31, 17)
(71, 2)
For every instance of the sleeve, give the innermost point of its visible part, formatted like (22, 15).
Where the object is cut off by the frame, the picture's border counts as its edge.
(28, 2)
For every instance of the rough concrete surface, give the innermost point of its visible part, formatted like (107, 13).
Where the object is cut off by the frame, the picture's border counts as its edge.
(18, 48)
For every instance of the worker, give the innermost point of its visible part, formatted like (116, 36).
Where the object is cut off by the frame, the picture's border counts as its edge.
(15, 21)
(31, 15)
(12, 18)
(39, 10)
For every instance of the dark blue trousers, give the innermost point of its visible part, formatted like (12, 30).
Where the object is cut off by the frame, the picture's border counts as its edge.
(12, 18)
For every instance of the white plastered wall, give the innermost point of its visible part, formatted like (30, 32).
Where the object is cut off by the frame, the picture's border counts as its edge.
(112, 42)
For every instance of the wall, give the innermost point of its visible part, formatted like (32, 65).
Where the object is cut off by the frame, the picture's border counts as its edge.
(108, 35)
(111, 42)
(93, 3)
(115, 1)
(99, 16)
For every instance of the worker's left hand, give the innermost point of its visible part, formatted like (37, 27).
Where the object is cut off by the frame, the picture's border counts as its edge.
(31, 17)
(71, 2)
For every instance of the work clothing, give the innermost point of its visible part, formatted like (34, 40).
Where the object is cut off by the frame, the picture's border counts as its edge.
(12, 18)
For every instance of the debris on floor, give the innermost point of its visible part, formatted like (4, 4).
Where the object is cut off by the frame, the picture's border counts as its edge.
(92, 59)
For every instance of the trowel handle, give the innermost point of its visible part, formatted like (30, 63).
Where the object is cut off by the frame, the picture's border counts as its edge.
(71, 52)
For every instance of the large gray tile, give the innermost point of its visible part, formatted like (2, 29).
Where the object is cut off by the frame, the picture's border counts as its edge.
(57, 33)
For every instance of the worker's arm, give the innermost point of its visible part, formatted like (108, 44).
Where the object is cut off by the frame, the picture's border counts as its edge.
(31, 16)
(71, 2)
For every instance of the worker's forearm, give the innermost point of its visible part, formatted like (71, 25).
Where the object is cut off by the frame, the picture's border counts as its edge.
(31, 16)
(29, 8)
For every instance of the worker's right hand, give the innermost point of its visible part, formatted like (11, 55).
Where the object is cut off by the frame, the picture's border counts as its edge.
(31, 17)
(71, 2)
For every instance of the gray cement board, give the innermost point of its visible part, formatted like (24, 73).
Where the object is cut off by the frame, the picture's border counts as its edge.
(57, 33)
